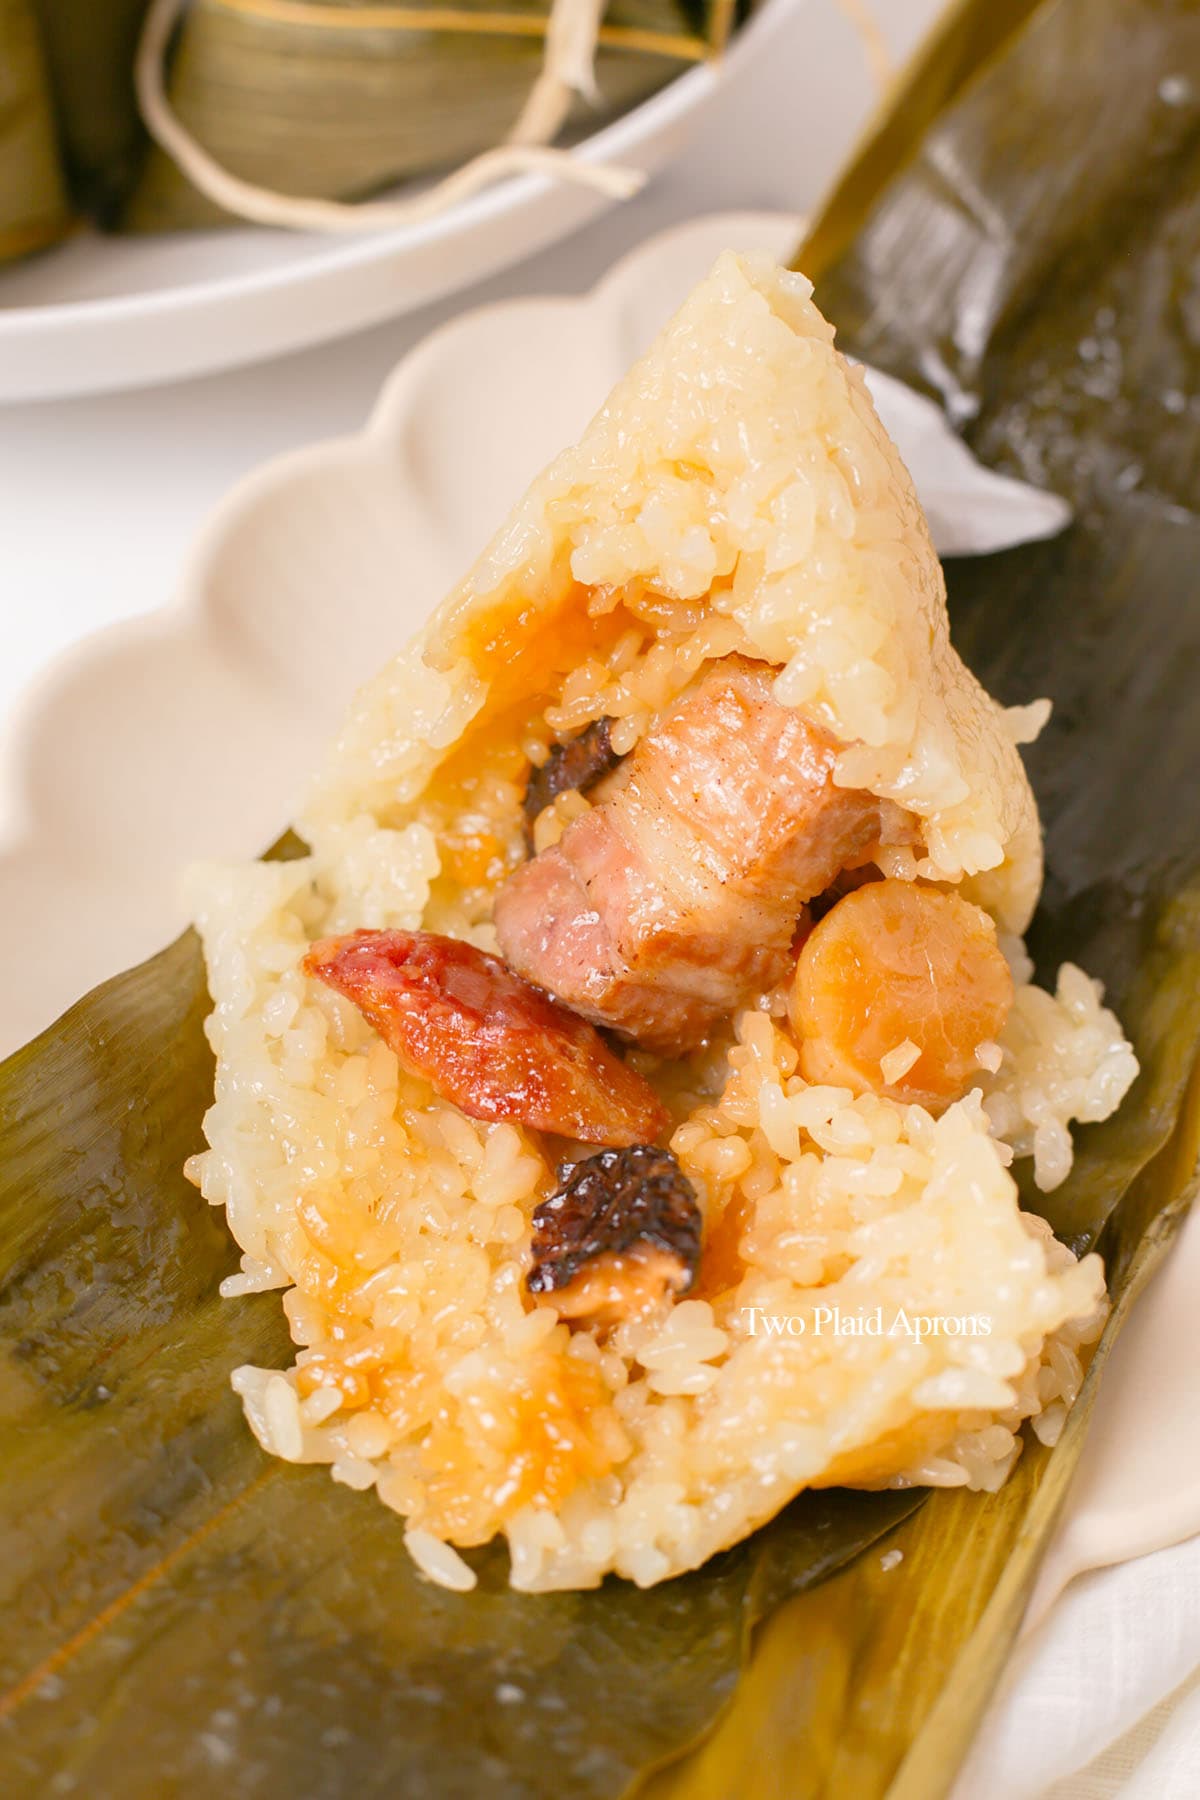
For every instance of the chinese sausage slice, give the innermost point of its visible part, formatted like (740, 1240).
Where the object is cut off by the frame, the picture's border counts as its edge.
(485, 1039)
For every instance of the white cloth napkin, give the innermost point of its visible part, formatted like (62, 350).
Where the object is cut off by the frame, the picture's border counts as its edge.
(970, 509)
(1102, 1699)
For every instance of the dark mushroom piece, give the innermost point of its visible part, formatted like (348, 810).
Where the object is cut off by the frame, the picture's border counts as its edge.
(620, 1234)
(576, 764)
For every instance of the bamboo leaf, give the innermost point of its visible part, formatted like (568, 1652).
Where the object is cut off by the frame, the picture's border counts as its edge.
(179, 1611)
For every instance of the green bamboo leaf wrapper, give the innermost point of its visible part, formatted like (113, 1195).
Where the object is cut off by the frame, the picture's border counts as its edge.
(89, 47)
(184, 1617)
(33, 208)
(315, 106)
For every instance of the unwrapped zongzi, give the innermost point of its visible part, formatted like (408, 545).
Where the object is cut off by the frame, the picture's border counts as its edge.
(622, 1298)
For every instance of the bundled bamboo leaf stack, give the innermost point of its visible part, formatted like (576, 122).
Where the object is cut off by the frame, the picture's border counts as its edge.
(329, 99)
(338, 100)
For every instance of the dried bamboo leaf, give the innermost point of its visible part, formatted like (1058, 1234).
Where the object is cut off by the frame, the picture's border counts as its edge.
(176, 1611)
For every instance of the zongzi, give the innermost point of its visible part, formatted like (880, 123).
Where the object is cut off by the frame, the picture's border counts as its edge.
(621, 1296)
(89, 51)
(328, 100)
(33, 207)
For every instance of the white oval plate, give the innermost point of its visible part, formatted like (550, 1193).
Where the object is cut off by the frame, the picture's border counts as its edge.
(100, 313)
(192, 734)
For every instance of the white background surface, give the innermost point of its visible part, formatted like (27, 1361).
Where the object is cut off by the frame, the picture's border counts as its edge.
(100, 499)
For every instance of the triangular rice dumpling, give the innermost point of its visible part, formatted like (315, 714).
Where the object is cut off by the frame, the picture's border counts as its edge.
(688, 760)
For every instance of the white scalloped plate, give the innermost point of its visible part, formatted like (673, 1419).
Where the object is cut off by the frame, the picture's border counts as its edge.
(191, 734)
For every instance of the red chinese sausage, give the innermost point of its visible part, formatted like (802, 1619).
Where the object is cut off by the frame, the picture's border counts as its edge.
(490, 1042)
